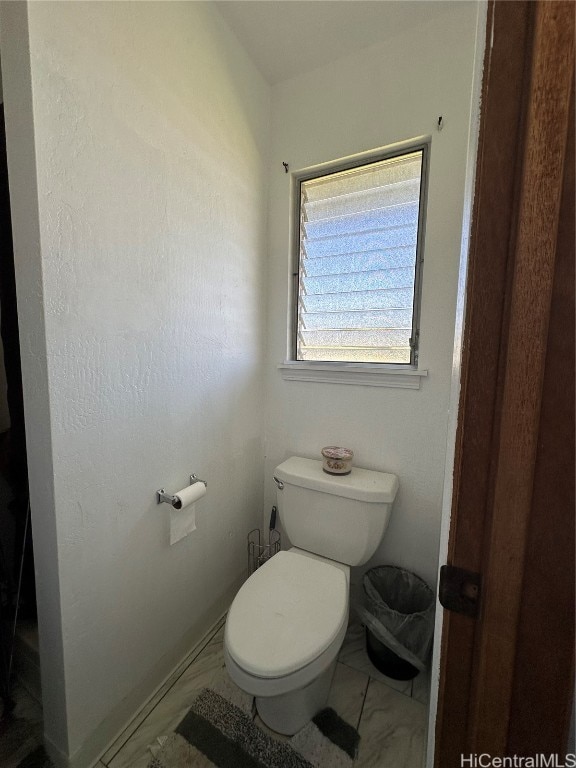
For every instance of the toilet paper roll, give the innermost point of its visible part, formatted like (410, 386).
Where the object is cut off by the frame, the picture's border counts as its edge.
(183, 512)
(189, 495)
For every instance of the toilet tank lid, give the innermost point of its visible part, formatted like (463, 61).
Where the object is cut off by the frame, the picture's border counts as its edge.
(360, 484)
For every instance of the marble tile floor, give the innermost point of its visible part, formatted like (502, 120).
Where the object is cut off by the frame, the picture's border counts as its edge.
(391, 716)
(354, 655)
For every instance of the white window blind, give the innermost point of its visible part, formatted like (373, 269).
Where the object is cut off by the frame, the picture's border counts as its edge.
(358, 263)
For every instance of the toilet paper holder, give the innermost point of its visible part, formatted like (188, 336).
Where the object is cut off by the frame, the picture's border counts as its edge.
(167, 498)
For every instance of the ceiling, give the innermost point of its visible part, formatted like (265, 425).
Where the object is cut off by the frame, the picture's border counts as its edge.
(288, 37)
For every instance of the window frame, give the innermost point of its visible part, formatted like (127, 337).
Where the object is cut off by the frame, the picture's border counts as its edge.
(421, 144)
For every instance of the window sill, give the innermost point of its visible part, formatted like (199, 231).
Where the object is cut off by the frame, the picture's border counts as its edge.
(341, 373)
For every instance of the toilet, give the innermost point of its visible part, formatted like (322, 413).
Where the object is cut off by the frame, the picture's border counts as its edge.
(286, 625)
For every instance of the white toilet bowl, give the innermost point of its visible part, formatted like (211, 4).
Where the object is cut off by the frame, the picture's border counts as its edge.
(283, 634)
(287, 623)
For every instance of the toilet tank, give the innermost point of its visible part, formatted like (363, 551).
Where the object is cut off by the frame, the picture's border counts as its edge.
(341, 517)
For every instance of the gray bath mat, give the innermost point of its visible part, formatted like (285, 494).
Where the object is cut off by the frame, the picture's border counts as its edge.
(217, 732)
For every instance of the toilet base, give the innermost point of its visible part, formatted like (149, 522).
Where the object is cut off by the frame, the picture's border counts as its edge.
(290, 712)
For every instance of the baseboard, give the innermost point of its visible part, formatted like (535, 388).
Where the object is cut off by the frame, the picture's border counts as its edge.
(112, 727)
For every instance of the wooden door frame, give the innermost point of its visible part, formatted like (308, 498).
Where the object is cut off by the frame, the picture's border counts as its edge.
(528, 81)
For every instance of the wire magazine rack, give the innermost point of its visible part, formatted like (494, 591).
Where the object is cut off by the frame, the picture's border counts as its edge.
(259, 553)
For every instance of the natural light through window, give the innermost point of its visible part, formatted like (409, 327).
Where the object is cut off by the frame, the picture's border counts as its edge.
(359, 256)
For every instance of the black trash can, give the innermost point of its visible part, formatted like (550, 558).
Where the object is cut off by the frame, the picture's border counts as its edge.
(398, 613)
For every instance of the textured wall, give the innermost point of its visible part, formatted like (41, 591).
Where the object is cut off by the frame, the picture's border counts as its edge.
(384, 94)
(4, 414)
(142, 299)
(151, 130)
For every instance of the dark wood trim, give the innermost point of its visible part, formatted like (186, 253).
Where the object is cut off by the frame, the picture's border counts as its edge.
(544, 663)
(508, 42)
(521, 161)
(527, 333)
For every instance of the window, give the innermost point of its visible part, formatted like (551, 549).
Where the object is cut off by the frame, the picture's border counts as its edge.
(359, 243)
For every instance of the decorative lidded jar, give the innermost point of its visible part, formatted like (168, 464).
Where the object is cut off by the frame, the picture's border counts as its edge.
(337, 461)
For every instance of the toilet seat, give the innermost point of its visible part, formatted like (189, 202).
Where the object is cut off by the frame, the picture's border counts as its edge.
(277, 686)
(299, 605)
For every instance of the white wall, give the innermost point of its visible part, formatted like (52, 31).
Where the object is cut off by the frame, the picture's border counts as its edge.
(382, 95)
(475, 106)
(141, 294)
(4, 412)
(151, 132)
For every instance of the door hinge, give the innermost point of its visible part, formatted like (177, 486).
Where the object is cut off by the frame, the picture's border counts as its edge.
(459, 590)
